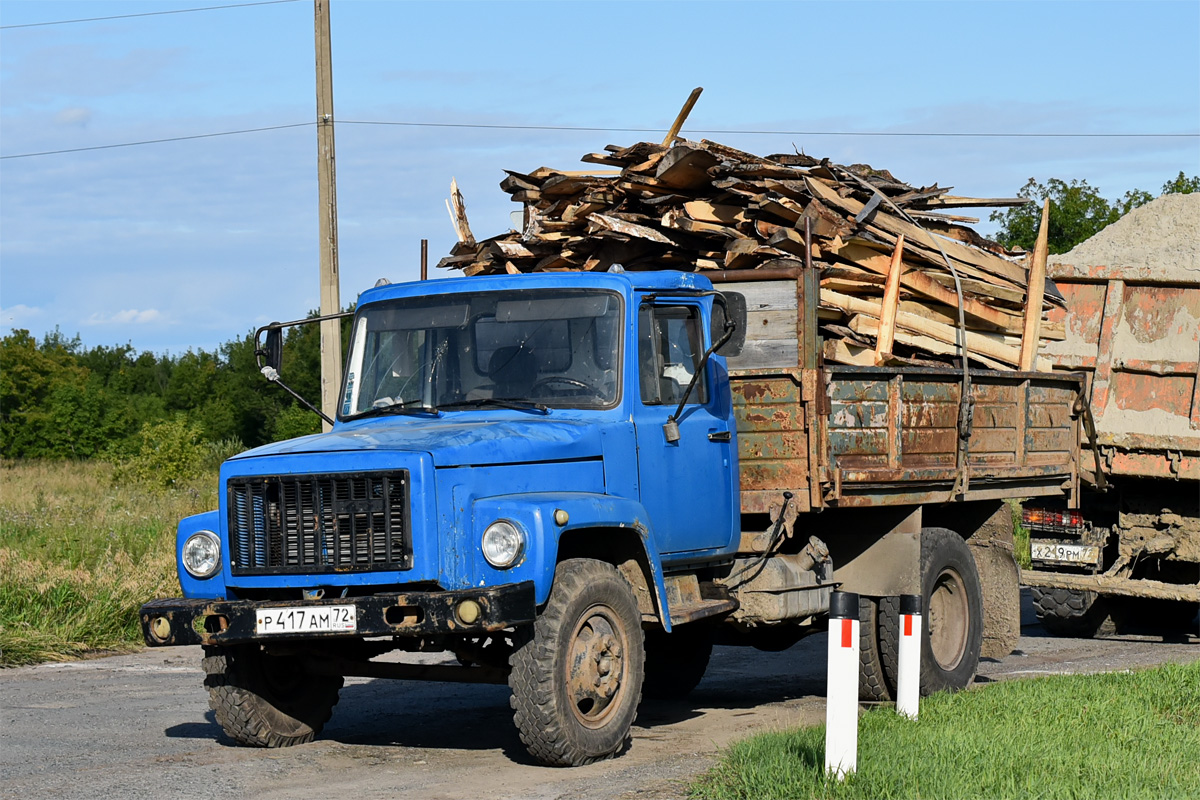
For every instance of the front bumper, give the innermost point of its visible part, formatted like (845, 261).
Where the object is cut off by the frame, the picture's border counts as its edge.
(183, 621)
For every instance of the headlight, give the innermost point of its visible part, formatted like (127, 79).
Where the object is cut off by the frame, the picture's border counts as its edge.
(202, 554)
(503, 544)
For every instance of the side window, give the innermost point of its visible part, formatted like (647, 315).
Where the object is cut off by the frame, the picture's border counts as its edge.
(669, 349)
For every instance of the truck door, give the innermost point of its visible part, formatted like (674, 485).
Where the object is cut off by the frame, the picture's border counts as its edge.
(687, 486)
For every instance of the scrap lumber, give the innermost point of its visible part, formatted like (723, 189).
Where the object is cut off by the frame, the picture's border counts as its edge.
(891, 304)
(1033, 298)
(881, 245)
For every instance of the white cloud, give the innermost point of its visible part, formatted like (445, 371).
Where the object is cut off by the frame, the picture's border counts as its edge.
(19, 316)
(129, 316)
(76, 117)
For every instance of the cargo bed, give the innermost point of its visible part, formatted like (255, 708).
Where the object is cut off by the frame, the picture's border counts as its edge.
(842, 436)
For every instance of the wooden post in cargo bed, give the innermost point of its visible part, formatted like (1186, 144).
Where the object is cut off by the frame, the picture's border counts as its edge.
(809, 296)
(1034, 293)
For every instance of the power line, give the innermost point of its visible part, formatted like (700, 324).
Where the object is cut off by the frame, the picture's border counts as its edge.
(158, 141)
(783, 133)
(587, 129)
(143, 14)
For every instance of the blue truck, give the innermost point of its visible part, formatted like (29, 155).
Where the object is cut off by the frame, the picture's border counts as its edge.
(578, 483)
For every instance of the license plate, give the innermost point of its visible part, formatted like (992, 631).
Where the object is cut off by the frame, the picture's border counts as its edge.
(1067, 553)
(307, 619)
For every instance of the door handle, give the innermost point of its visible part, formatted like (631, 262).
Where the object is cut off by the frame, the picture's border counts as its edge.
(720, 436)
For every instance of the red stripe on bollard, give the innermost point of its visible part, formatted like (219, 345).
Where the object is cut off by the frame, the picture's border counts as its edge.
(847, 633)
(908, 624)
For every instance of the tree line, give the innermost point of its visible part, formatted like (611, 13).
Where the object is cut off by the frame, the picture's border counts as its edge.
(59, 399)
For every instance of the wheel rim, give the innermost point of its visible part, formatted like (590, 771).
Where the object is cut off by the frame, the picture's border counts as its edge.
(949, 619)
(596, 666)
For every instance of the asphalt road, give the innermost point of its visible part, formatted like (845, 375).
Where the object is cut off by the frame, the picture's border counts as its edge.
(138, 726)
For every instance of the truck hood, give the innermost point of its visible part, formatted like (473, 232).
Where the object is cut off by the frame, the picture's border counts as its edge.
(454, 444)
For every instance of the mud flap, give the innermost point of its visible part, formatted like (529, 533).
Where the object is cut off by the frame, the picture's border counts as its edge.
(1000, 580)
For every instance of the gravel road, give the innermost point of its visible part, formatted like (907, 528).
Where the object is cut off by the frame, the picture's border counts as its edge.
(138, 726)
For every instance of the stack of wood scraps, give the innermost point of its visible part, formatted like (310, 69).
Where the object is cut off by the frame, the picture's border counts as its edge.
(897, 263)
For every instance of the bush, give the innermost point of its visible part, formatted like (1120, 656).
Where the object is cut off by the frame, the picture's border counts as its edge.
(294, 421)
(166, 453)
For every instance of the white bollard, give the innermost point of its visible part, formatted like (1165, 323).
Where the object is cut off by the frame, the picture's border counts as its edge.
(841, 696)
(908, 669)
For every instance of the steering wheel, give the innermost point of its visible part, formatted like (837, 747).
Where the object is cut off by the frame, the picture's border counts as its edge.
(574, 383)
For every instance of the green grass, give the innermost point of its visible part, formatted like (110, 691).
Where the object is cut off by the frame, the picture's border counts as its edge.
(1117, 735)
(79, 554)
(1020, 536)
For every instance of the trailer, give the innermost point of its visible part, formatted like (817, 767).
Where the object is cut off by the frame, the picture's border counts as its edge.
(1129, 556)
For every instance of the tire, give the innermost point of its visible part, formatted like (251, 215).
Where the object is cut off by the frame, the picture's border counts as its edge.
(873, 685)
(676, 661)
(576, 673)
(1073, 614)
(952, 616)
(262, 700)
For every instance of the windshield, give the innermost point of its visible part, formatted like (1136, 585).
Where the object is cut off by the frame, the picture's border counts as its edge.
(557, 348)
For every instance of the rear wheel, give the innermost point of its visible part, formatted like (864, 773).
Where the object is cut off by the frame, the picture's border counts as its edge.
(952, 633)
(264, 700)
(576, 674)
(872, 683)
(952, 616)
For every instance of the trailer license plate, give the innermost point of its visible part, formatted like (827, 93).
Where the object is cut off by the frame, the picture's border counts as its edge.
(1067, 553)
(307, 619)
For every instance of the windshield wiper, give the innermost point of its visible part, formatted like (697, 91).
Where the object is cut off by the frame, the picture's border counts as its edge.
(385, 406)
(499, 402)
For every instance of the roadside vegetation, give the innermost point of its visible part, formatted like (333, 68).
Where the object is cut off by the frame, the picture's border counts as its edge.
(1115, 735)
(84, 544)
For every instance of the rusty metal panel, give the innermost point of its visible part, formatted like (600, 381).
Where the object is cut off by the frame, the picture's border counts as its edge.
(773, 443)
(1138, 333)
(1081, 322)
(891, 435)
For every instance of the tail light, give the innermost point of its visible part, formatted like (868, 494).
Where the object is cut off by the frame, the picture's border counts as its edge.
(1041, 519)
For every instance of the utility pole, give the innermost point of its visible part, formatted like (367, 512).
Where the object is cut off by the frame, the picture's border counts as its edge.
(331, 332)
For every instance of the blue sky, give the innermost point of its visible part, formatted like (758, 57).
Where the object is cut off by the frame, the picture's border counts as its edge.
(188, 244)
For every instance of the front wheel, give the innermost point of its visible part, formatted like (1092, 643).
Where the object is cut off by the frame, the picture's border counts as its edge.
(263, 700)
(576, 674)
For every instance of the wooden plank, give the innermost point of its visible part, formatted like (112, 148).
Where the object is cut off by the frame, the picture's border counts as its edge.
(950, 201)
(458, 215)
(945, 333)
(991, 264)
(1033, 299)
(978, 287)
(685, 167)
(783, 207)
(680, 221)
(868, 326)
(843, 352)
(704, 211)
(682, 115)
(922, 283)
(891, 300)
(628, 228)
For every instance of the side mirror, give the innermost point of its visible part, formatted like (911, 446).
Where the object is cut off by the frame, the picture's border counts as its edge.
(273, 352)
(729, 308)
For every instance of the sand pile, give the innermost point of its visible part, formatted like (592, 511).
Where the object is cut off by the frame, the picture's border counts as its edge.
(1161, 238)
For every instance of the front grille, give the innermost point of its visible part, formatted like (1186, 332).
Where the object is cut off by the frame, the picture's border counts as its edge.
(346, 522)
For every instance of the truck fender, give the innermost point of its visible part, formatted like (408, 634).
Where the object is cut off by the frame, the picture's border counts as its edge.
(538, 514)
(212, 588)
